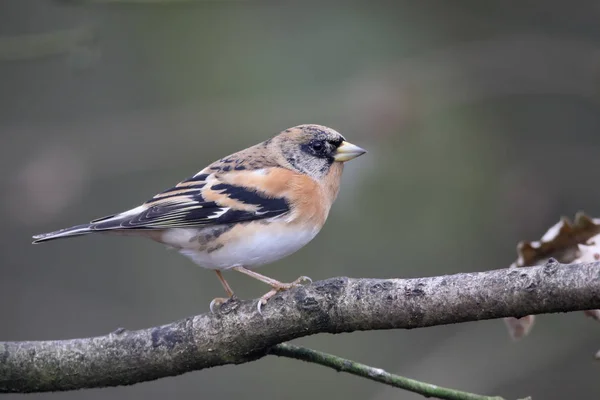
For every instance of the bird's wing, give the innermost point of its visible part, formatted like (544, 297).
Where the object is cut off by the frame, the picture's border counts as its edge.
(206, 198)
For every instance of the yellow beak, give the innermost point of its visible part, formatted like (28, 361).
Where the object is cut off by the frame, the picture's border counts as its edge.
(347, 151)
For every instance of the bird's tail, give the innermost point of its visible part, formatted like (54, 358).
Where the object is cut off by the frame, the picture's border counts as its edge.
(76, 230)
(113, 223)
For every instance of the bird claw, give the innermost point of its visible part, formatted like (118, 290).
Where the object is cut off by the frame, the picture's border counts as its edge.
(281, 287)
(224, 305)
(302, 280)
(218, 302)
(264, 298)
(259, 305)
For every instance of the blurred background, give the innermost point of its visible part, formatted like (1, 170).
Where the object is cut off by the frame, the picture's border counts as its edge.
(482, 122)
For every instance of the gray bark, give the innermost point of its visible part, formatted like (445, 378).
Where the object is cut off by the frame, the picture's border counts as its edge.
(238, 334)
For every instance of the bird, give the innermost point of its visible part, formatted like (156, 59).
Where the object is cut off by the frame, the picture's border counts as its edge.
(245, 210)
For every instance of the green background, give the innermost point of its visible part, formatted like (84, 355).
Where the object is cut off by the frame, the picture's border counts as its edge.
(482, 124)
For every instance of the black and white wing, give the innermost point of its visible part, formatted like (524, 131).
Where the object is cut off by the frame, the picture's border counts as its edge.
(200, 200)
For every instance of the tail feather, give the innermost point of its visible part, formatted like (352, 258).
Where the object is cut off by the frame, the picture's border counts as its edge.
(108, 223)
(77, 230)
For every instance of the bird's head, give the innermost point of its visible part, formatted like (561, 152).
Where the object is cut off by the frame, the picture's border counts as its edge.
(313, 149)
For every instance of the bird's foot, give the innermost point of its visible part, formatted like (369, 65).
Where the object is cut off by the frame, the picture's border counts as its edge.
(217, 302)
(279, 287)
(224, 305)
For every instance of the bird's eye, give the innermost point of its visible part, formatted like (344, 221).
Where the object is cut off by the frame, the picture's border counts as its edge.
(317, 146)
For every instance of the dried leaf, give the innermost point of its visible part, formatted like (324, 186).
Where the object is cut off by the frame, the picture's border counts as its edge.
(519, 327)
(589, 251)
(566, 242)
(595, 314)
(561, 242)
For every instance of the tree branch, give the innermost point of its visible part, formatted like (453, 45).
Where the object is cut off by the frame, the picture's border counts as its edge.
(374, 374)
(238, 334)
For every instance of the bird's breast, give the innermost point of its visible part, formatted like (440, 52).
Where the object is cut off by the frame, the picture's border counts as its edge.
(243, 244)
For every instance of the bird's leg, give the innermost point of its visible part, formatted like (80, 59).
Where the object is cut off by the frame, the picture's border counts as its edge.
(224, 283)
(220, 300)
(275, 285)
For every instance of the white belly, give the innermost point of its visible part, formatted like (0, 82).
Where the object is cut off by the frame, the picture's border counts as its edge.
(258, 248)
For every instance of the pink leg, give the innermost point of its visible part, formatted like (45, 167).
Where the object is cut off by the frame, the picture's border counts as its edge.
(220, 300)
(276, 285)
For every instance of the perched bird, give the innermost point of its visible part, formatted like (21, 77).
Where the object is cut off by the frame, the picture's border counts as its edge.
(250, 208)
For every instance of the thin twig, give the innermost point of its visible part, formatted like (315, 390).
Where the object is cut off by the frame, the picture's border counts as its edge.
(375, 374)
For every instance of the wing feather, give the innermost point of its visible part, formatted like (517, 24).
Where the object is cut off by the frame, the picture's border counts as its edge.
(186, 205)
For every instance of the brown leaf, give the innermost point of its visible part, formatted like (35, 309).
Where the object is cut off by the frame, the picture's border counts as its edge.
(567, 243)
(519, 327)
(595, 314)
(561, 242)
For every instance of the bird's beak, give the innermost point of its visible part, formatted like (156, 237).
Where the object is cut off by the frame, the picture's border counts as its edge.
(347, 151)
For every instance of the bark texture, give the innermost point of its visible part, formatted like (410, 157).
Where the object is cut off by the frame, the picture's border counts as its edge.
(239, 334)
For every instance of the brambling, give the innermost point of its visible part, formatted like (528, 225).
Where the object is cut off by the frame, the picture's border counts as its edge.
(248, 209)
